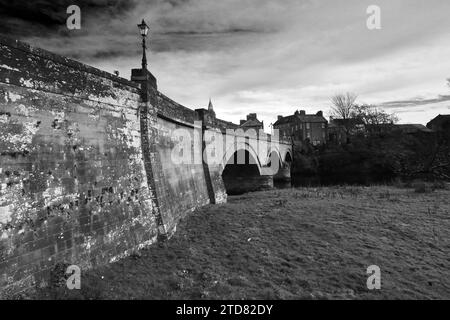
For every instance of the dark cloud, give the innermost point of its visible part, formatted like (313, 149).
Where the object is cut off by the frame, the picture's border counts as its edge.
(225, 31)
(205, 16)
(415, 102)
(255, 54)
(109, 30)
(107, 54)
(24, 18)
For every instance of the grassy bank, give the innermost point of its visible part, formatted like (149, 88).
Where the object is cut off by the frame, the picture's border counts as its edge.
(311, 243)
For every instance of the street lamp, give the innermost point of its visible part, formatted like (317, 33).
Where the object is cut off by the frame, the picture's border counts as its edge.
(143, 29)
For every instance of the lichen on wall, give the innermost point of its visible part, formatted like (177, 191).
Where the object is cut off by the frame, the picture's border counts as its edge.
(73, 185)
(86, 168)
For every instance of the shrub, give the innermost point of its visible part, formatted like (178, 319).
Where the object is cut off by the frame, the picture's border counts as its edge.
(399, 183)
(439, 185)
(421, 187)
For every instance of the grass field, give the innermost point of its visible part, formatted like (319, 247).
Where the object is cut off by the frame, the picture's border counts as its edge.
(309, 243)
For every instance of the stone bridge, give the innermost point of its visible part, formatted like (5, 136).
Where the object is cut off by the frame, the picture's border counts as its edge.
(94, 167)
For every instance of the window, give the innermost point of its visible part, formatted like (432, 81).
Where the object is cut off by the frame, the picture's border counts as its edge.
(323, 125)
(308, 135)
(308, 126)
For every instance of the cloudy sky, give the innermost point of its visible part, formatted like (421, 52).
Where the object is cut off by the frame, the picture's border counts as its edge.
(264, 56)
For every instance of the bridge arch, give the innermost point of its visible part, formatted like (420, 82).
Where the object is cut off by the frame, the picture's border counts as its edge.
(283, 152)
(242, 171)
(274, 155)
(288, 157)
(284, 171)
(238, 150)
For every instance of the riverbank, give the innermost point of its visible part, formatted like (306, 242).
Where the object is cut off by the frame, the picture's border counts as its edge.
(308, 243)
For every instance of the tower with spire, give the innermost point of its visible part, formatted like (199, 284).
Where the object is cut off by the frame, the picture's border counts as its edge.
(211, 108)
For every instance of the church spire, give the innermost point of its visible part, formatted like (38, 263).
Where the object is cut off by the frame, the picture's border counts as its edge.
(210, 105)
(211, 109)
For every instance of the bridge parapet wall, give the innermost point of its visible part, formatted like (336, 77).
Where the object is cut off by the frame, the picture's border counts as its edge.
(86, 165)
(73, 187)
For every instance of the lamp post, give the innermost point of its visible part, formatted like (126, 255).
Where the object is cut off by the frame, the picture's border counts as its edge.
(143, 29)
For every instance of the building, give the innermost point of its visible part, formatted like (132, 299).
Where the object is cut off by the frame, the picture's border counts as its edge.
(336, 133)
(303, 127)
(340, 130)
(209, 119)
(407, 128)
(252, 122)
(440, 123)
(412, 128)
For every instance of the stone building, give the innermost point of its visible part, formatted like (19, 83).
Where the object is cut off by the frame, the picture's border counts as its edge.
(303, 127)
(411, 128)
(440, 123)
(252, 122)
(340, 130)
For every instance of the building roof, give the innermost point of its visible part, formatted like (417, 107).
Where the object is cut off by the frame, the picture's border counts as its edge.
(442, 116)
(404, 128)
(412, 127)
(252, 123)
(344, 122)
(302, 118)
(440, 119)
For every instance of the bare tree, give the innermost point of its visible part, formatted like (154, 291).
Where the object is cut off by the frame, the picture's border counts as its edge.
(342, 109)
(343, 105)
(372, 115)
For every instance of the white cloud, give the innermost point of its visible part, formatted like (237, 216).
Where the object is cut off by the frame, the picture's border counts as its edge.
(272, 57)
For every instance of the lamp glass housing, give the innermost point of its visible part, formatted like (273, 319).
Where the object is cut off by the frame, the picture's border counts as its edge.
(143, 28)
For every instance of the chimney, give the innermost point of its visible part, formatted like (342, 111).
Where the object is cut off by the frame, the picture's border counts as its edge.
(251, 116)
(320, 113)
(302, 112)
(280, 117)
